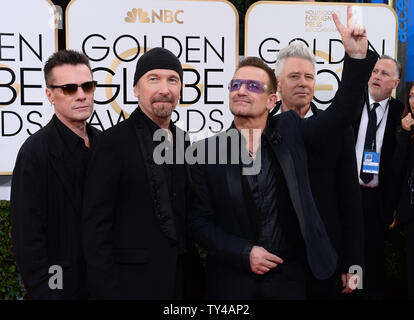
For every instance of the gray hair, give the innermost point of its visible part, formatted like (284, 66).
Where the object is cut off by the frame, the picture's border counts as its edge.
(296, 49)
(397, 63)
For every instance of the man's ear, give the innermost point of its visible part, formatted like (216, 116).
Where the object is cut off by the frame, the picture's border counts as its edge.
(271, 101)
(396, 83)
(136, 90)
(49, 95)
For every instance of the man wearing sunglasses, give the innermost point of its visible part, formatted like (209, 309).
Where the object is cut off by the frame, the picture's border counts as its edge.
(47, 185)
(263, 231)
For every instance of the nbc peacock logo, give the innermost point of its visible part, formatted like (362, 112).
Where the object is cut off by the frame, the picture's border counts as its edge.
(155, 16)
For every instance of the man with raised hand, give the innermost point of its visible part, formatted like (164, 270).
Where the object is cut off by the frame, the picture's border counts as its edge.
(332, 172)
(262, 231)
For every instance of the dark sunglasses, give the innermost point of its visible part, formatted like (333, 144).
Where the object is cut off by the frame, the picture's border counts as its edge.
(251, 85)
(71, 88)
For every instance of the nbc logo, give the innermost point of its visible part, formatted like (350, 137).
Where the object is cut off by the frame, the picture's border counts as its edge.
(162, 16)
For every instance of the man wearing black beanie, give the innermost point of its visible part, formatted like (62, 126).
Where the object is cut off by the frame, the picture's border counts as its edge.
(157, 58)
(135, 203)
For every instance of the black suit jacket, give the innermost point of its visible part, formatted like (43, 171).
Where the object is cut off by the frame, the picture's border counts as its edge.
(129, 231)
(335, 188)
(403, 165)
(46, 216)
(219, 220)
(385, 178)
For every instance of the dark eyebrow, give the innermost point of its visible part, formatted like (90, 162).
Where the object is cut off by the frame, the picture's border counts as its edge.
(152, 75)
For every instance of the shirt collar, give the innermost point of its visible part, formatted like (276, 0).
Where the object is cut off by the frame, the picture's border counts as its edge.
(307, 115)
(279, 111)
(383, 103)
(70, 139)
(151, 125)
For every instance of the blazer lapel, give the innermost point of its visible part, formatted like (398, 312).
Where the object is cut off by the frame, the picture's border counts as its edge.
(285, 160)
(322, 257)
(241, 200)
(392, 121)
(245, 210)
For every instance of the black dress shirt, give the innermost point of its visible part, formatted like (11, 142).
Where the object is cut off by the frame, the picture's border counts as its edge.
(264, 192)
(173, 173)
(275, 210)
(79, 154)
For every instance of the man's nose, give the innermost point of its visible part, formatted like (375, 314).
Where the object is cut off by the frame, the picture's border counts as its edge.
(243, 89)
(80, 94)
(377, 76)
(163, 88)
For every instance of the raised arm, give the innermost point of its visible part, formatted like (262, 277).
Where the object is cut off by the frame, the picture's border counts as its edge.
(354, 36)
(348, 101)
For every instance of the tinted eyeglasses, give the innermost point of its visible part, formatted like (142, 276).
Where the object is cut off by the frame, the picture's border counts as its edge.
(71, 88)
(251, 85)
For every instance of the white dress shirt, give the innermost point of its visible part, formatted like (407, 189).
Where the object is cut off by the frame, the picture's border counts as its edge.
(382, 113)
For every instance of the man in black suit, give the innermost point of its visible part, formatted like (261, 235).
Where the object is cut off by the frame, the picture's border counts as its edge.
(377, 141)
(332, 173)
(135, 204)
(47, 185)
(263, 230)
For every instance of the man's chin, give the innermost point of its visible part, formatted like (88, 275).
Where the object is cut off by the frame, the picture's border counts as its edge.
(164, 112)
(239, 111)
(379, 96)
(376, 91)
(83, 115)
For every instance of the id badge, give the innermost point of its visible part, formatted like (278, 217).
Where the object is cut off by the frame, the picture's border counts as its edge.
(371, 162)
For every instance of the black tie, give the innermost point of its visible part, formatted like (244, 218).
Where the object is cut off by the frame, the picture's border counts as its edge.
(369, 140)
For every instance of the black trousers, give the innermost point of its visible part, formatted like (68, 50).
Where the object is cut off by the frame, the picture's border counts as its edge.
(409, 251)
(285, 282)
(374, 231)
(179, 280)
(329, 289)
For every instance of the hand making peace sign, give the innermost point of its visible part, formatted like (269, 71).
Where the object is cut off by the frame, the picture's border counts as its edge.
(354, 36)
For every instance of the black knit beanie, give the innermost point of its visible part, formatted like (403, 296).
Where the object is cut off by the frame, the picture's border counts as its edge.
(157, 58)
